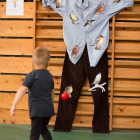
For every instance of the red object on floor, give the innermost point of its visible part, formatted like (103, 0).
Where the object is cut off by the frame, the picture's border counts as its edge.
(64, 96)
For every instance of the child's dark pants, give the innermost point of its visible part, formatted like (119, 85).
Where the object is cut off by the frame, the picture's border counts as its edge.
(75, 75)
(39, 126)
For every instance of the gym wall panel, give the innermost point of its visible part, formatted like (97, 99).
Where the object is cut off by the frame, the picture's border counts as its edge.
(20, 35)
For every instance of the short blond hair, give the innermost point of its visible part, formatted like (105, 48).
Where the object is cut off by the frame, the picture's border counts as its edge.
(41, 56)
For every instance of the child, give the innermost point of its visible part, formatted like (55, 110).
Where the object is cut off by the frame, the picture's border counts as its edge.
(40, 87)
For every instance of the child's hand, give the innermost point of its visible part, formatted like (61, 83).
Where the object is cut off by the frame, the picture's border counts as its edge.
(13, 110)
(20, 93)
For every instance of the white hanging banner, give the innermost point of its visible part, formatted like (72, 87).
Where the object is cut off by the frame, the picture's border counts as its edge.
(14, 7)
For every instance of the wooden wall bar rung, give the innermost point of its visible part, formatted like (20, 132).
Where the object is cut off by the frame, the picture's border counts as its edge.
(129, 13)
(46, 12)
(118, 24)
(127, 38)
(49, 24)
(126, 51)
(127, 24)
(116, 38)
(50, 37)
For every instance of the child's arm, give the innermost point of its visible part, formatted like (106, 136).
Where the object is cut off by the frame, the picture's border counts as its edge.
(52, 94)
(20, 93)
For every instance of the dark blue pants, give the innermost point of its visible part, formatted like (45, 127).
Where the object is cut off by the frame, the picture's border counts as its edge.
(75, 75)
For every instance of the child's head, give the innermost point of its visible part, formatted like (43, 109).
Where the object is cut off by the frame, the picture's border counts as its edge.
(41, 57)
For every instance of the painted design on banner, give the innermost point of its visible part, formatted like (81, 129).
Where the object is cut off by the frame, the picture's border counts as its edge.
(57, 2)
(15, 2)
(73, 17)
(74, 52)
(89, 22)
(100, 10)
(14, 7)
(98, 42)
(96, 82)
(116, 1)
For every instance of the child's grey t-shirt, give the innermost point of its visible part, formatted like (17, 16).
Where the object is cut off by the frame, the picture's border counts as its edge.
(40, 84)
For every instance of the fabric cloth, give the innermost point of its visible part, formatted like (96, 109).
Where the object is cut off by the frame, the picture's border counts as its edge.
(39, 126)
(75, 75)
(75, 15)
(40, 84)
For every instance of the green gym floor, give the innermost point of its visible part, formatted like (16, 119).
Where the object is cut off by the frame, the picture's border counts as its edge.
(22, 132)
